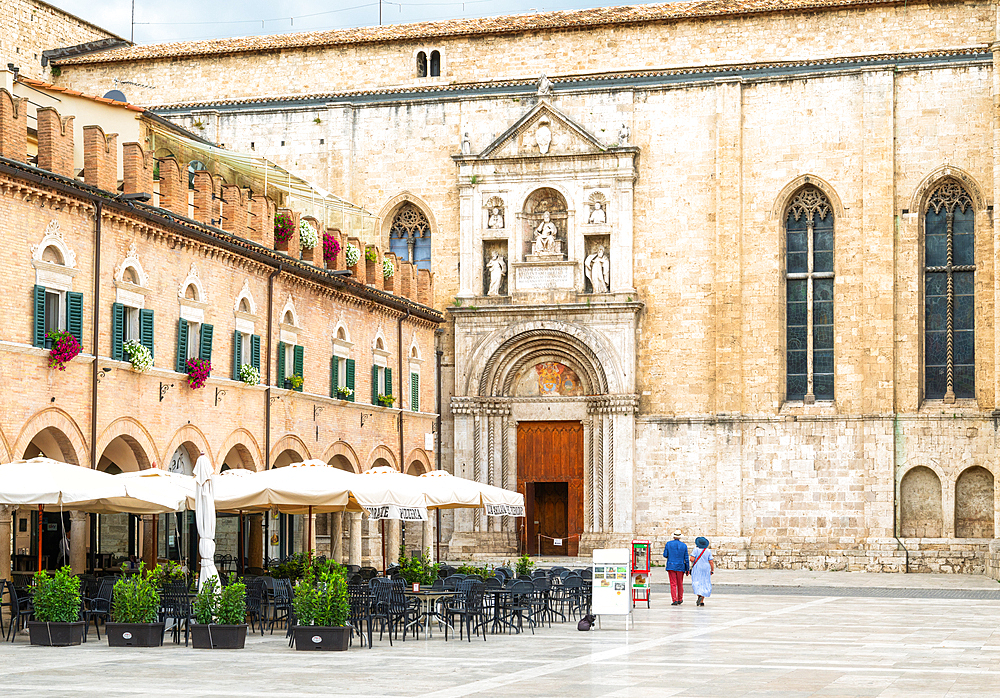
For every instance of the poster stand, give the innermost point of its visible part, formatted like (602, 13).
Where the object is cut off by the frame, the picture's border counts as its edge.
(640, 571)
(612, 584)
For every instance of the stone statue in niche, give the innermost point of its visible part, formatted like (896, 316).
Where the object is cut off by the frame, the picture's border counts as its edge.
(466, 144)
(544, 86)
(598, 268)
(496, 219)
(545, 237)
(497, 267)
(597, 216)
(543, 136)
(623, 135)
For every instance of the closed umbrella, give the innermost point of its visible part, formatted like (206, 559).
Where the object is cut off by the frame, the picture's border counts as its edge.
(204, 514)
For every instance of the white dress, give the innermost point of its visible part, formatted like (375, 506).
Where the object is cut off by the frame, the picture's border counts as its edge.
(701, 573)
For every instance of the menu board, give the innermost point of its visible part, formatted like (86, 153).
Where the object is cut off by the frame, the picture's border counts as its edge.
(612, 590)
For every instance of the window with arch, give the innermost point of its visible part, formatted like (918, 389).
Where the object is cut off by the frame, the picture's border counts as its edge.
(421, 64)
(809, 282)
(291, 356)
(342, 367)
(194, 335)
(435, 64)
(949, 282)
(381, 375)
(410, 236)
(246, 344)
(414, 361)
(57, 308)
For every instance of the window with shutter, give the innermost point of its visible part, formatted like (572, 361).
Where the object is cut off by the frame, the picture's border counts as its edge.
(117, 331)
(374, 384)
(255, 351)
(74, 315)
(38, 338)
(281, 365)
(205, 348)
(388, 381)
(146, 329)
(334, 361)
(298, 364)
(415, 392)
(350, 378)
(182, 345)
(237, 353)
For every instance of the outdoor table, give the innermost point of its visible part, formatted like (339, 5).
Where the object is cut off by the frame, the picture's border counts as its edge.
(428, 600)
(498, 597)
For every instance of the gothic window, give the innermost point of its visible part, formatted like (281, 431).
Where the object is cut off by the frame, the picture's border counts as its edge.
(410, 236)
(949, 273)
(421, 64)
(809, 279)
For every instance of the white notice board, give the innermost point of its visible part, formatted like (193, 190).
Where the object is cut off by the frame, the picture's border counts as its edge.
(612, 580)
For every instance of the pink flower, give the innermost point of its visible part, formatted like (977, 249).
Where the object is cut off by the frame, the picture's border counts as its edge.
(283, 228)
(198, 372)
(65, 347)
(331, 248)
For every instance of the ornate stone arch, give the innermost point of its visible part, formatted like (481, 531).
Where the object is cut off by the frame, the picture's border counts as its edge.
(135, 435)
(918, 201)
(245, 294)
(382, 452)
(289, 307)
(192, 279)
(785, 196)
(517, 206)
(66, 431)
(188, 433)
(289, 442)
(53, 237)
(131, 261)
(496, 361)
(342, 448)
(253, 452)
(419, 455)
(392, 206)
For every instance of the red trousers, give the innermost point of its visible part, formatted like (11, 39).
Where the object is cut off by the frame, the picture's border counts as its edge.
(676, 585)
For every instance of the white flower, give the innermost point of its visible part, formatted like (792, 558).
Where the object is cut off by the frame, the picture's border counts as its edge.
(249, 374)
(388, 269)
(351, 254)
(139, 355)
(308, 237)
(344, 391)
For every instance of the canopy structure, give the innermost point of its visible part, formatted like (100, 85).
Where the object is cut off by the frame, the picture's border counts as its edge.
(443, 490)
(314, 487)
(164, 478)
(54, 485)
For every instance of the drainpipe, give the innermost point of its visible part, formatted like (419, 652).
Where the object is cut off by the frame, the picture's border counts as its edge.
(267, 403)
(437, 447)
(98, 214)
(399, 369)
(896, 437)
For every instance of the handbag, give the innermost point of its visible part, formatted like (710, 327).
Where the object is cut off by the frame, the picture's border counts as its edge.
(696, 559)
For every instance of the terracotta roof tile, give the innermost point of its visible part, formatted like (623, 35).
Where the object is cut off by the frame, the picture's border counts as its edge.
(31, 82)
(507, 24)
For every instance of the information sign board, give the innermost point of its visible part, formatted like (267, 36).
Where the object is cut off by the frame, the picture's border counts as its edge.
(612, 582)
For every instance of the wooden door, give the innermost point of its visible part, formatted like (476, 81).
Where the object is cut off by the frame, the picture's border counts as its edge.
(551, 452)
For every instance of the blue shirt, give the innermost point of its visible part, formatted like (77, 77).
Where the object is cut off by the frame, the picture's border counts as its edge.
(676, 553)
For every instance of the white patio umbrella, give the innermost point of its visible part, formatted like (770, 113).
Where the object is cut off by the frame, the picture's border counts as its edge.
(446, 491)
(204, 514)
(158, 478)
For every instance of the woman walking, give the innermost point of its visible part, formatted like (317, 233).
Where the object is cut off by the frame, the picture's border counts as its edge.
(702, 569)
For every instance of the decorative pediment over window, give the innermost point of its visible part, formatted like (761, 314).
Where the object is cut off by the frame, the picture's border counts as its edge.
(544, 131)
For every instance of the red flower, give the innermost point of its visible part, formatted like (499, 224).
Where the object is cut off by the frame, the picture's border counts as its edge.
(283, 228)
(65, 347)
(331, 248)
(198, 372)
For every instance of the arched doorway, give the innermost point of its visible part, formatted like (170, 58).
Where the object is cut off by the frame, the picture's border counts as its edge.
(47, 528)
(115, 538)
(232, 531)
(177, 534)
(285, 533)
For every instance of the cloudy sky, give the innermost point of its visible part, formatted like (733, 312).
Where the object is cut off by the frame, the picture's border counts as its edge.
(177, 20)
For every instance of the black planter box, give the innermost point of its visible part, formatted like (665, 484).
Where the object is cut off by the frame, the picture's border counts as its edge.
(134, 634)
(318, 637)
(218, 637)
(55, 634)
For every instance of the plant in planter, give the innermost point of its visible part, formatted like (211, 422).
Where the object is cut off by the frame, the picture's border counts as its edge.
(331, 248)
(388, 268)
(293, 382)
(57, 609)
(283, 228)
(308, 237)
(135, 606)
(351, 254)
(322, 606)
(370, 254)
(344, 393)
(64, 349)
(168, 571)
(139, 355)
(220, 616)
(386, 400)
(524, 565)
(417, 569)
(198, 372)
(249, 374)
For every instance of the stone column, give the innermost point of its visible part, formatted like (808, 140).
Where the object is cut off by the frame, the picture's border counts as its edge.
(469, 282)
(149, 542)
(255, 553)
(78, 541)
(427, 535)
(354, 553)
(337, 536)
(393, 537)
(6, 539)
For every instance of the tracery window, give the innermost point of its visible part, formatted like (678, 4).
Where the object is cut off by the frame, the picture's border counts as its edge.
(949, 275)
(410, 236)
(809, 280)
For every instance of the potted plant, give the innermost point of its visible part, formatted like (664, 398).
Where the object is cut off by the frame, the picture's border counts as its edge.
(417, 569)
(386, 400)
(138, 355)
(308, 236)
(388, 268)
(344, 393)
(135, 610)
(65, 348)
(220, 616)
(331, 248)
(198, 372)
(57, 609)
(293, 382)
(352, 255)
(524, 565)
(322, 606)
(249, 374)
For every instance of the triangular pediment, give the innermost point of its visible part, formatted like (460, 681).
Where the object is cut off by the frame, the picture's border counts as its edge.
(543, 131)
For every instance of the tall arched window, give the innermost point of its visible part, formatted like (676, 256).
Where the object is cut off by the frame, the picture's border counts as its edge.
(421, 64)
(949, 273)
(809, 278)
(435, 64)
(410, 236)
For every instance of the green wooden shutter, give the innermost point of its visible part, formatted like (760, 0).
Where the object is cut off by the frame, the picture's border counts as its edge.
(281, 365)
(205, 350)
(182, 345)
(388, 381)
(117, 331)
(237, 353)
(350, 377)
(146, 329)
(333, 376)
(255, 351)
(415, 392)
(74, 315)
(299, 359)
(374, 384)
(38, 339)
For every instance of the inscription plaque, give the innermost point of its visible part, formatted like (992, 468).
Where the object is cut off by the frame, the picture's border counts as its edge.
(544, 277)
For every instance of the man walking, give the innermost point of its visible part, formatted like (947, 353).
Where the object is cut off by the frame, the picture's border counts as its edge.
(676, 553)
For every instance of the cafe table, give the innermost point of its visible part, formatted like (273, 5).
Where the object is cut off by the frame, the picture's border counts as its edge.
(428, 607)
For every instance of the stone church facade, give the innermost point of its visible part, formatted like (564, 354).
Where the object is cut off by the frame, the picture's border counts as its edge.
(717, 266)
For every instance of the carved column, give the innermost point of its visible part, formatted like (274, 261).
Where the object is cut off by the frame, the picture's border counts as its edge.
(337, 536)
(6, 539)
(393, 538)
(255, 553)
(78, 541)
(477, 465)
(588, 475)
(354, 552)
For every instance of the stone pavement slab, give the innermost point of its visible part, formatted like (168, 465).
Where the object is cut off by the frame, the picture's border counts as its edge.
(752, 646)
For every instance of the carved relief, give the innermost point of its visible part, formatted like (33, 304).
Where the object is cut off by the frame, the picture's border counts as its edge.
(543, 136)
(546, 219)
(598, 269)
(495, 212)
(598, 214)
(495, 267)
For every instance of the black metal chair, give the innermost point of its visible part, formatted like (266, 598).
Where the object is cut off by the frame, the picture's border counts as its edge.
(361, 611)
(256, 603)
(175, 605)
(21, 609)
(468, 606)
(281, 603)
(99, 605)
(521, 605)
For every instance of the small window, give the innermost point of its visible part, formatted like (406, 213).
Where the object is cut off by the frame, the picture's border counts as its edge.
(288, 319)
(435, 64)
(246, 345)
(289, 361)
(191, 292)
(55, 318)
(129, 276)
(341, 334)
(379, 344)
(130, 327)
(421, 64)
(341, 372)
(194, 339)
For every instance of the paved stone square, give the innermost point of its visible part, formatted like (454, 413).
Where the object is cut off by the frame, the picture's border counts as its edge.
(813, 642)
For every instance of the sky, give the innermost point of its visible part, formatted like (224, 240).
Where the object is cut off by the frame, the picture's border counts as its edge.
(183, 20)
